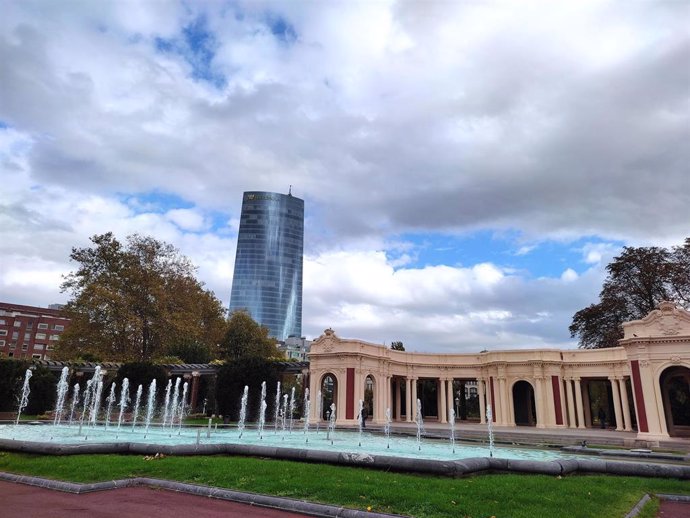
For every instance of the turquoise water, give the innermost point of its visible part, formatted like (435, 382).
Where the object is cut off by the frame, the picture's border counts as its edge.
(340, 440)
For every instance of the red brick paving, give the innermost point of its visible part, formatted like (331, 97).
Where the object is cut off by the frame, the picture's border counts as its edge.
(670, 509)
(22, 501)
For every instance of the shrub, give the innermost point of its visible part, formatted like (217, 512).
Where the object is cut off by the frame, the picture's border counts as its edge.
(141, 373)
(232, 378)
(12, 374)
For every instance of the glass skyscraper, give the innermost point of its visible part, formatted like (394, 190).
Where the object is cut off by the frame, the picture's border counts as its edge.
(268, 264)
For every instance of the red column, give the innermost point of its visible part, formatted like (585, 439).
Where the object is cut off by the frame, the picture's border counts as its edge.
(639, 396)
(556, 385)
(195, 390)
(350, 394)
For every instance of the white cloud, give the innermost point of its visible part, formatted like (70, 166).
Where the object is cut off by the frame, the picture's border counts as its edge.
(558, 122)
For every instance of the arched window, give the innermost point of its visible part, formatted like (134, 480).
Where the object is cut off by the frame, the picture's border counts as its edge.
(369, 395)
(524, 407)
(329, 394)
(675, 390)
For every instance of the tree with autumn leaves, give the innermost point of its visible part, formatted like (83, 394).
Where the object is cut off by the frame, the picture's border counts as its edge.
(638, 279)
(136, 301)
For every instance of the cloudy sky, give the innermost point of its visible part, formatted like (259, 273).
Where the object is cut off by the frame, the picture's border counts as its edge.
(468, 168)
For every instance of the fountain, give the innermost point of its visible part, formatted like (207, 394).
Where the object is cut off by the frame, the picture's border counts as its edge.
(331, 424)
(182, 411)
(277, 410)
(176, 395)
(97, 388)
(262, 410)
(243, 410)
(167, 402)
(111, 401)
(451, 424)
(24, 399)
(307, 414)
(143, 435)
(151, 404)
(62, 388)
(124, 400)
(360, 420)
(292, 407)
(135, 415)
(75, 402)
(490, 427)
(319, 409)
(420, 425)
(387, 428)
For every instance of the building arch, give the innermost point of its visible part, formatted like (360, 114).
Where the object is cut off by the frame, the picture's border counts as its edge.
(524, 403)
(674, 382)
(328, 385)
(370, 395)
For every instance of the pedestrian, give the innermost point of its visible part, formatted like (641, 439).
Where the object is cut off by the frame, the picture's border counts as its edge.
(602, 417)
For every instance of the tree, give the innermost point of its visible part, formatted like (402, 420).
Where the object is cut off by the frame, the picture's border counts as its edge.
(130, 301)
(245, 338)
(637, 281)
(190, 351)
(397, 346)
(232, 378)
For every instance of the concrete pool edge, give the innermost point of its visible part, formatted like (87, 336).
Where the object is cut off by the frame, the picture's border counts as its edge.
(461, 467)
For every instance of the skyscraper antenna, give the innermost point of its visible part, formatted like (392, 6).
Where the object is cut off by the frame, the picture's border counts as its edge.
(290, 190)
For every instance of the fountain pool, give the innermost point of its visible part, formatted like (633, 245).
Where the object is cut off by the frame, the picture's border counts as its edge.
(342, 441)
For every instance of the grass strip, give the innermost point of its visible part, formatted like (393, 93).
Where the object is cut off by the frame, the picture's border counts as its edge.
(500, 495)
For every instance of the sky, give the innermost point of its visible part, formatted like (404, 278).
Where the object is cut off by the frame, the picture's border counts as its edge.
(468, 168)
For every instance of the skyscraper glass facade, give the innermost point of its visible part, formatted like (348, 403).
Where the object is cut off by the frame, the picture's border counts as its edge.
(268, 264)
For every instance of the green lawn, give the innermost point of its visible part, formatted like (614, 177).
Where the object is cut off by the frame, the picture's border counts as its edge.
(516, 496)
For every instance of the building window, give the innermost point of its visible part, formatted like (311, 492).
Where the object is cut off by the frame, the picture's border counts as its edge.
(57, 327)
(13, 345)
(17, 323)
(40, 336)
(36, 356)
(2, 343)
(15, 335)
(30, 324)
(25, 346)
(10, 355)
(27, 336)
(54, 337)
(49, 347)
(39, 347)
(2, 322)
(43, 326)
(3, 332)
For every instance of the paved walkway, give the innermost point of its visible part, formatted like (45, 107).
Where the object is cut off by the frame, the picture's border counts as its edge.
(668, 509)
(22, 501)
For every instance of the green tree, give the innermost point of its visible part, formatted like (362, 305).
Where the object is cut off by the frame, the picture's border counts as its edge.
(190, 351)
(638, 279)
(12, 373)
(130, 301)
(397, 346)
(245, 338)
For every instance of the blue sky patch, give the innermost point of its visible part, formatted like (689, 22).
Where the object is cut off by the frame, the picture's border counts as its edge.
(536, 259)
(197, 45)
(283, 30)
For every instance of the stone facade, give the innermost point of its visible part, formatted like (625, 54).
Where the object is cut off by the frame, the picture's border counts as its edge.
(632, 386)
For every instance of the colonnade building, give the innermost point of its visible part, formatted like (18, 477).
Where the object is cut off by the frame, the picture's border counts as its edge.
(641, 386)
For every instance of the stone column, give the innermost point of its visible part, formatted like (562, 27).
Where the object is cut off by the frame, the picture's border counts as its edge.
(408, 399)
(578, 401)
(540, 402)
(443, 410)
(626, 404)
(502, 402)
(572, 422)
(616, 403)
(482, 401)
(449, 395)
